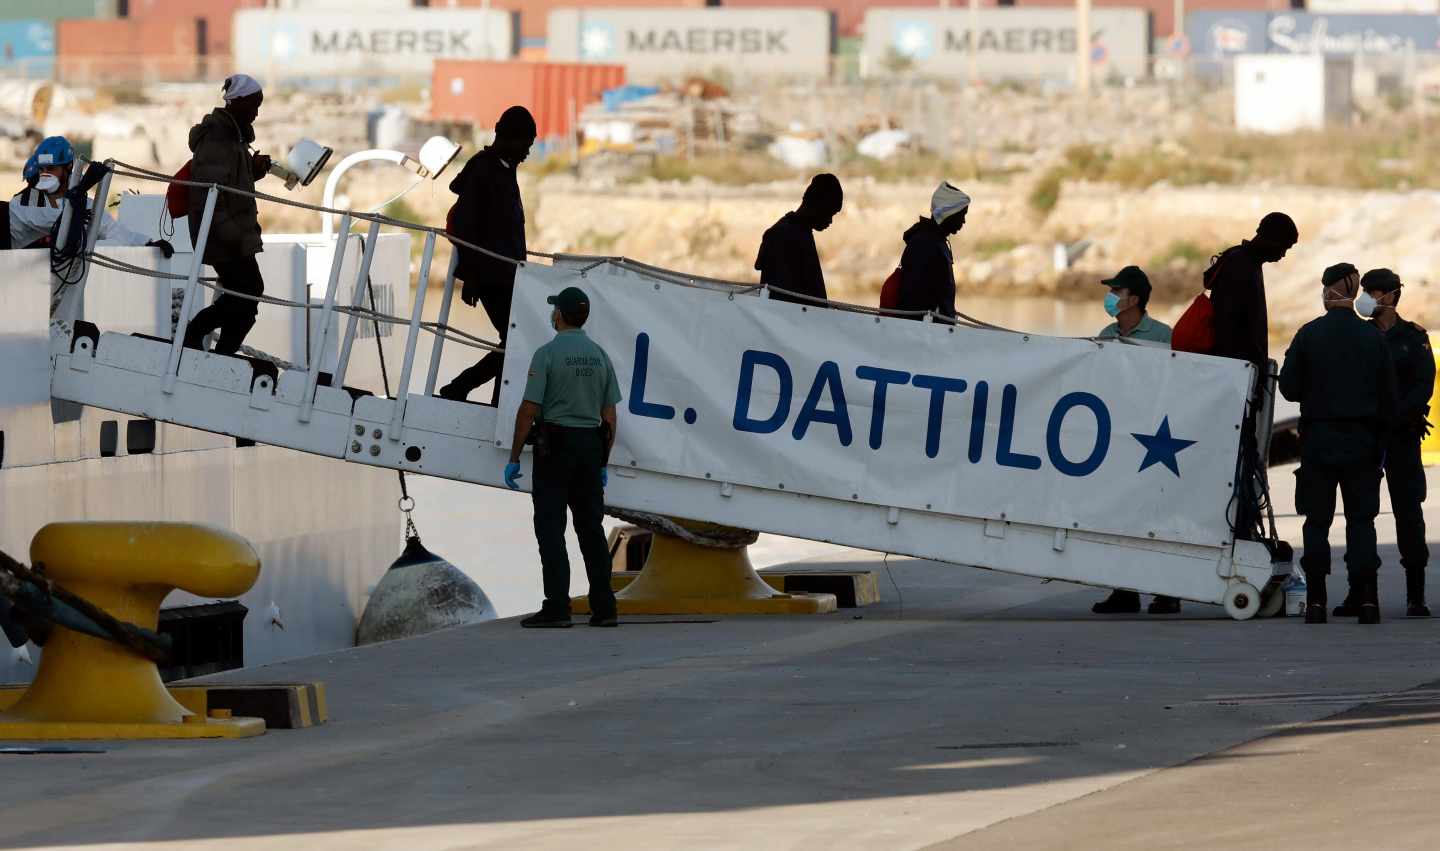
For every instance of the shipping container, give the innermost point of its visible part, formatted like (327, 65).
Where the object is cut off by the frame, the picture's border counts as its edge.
(668, 43)
(535, 14)
(477, 92)
(54, 10)
(216, 17)
(1216, 36)
(1014, 44)
(1426, 7)
(1162, 12)
(126, 50)
(849, 14)
(368, 44)
(27, 49)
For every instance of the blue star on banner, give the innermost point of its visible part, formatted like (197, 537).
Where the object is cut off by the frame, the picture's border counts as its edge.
(1161, 448)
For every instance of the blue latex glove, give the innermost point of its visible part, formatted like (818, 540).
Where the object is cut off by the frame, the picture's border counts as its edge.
(604, 478)
(512, 475)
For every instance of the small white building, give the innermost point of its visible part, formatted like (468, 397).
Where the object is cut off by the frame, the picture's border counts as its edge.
(1285, 93)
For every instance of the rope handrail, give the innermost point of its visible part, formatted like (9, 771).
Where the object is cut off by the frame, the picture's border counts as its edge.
(639, 267)
(450, 333)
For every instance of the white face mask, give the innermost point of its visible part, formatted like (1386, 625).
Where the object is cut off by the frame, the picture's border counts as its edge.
(1365, 304)
(48, 183)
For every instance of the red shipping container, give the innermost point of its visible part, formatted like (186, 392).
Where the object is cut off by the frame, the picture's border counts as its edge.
(124, 50)
(218, 17)
(535, 14)
(477, 92)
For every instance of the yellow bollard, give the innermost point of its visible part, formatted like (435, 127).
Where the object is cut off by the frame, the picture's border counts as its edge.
(684, 578)
(1430, 446)
(87, 688)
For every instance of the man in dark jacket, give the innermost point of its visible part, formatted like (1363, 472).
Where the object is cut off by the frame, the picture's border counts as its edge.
(490, 214)
(220, 145)
(1409, 347)
(1237, 291)
(788, 259)
(927, 273)
(1339, 370)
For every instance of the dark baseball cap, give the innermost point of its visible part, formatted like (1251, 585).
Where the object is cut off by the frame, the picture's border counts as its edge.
(1132, 278)
(1337, 273)
(1382, 280)
(571, 301)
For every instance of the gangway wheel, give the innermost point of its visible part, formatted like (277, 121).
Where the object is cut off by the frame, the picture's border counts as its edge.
(1242, 601)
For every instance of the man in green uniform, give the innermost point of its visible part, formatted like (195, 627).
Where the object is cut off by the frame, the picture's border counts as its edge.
(1409, 346)
(1127, 300)
(1339, 370)
(570, 400)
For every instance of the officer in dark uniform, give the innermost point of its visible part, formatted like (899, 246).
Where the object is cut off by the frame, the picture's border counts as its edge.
(570, 400)
(1409, 346)
(1339, 370)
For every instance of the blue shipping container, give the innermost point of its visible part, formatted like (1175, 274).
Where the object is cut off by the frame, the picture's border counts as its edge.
(1215, 35)
(27, 48)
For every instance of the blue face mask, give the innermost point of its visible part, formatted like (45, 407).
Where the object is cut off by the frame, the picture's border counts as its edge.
(1112, 304)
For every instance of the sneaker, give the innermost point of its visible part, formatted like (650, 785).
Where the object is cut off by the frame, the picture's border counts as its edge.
(1417, 610)
(1118, 603)
(1163, 605)
(449, 392)
(1369, 613)
(1315, 613)
(547, 620)
(604, 620)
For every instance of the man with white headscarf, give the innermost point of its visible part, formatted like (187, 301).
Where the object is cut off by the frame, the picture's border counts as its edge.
(927, 273)
(1340, 372)
(221, 147)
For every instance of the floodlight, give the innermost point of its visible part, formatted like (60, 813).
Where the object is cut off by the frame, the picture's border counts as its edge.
(435, 156)
(303, 165)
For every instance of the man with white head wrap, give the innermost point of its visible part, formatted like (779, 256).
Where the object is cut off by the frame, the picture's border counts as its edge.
(927, 274)
(1340, 372)
(221, 147)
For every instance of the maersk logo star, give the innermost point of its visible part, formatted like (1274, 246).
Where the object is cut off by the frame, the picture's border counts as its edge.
(1161, 448)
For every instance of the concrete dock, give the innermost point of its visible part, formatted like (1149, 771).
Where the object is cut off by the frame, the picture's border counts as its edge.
(969, 708)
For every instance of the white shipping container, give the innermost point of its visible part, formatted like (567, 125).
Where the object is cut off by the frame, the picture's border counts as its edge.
(1283, 94)
(653, 43)
(345, 5)
(1371, 7)
(1009, 43)
(373, 44)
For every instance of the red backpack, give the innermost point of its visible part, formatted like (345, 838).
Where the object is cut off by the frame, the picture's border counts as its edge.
(890, 291)
(1194, 331)
(177, 197)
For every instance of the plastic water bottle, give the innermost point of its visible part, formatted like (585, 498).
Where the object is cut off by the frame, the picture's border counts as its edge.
(1295, 592)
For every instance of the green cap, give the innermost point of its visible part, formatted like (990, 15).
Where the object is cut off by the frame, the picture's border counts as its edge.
(572, 302)
(1383, 280)
(1132, 278)
(1338, 273)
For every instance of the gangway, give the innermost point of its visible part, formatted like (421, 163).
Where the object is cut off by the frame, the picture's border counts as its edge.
(1048, 457)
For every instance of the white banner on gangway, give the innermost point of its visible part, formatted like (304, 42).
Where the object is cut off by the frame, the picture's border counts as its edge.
(1059, 432)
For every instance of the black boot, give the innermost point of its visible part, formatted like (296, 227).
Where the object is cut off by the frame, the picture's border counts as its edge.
(1348, 608)
(1415, 594)
(1163, 605)
(547, 619)
(1316, 601)
(1370, 603)
(1118, 603)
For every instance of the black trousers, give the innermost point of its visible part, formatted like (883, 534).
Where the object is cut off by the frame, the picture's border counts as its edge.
(567, 475)
(234, 317)
(1405, 477)
(496, 301)
(1359, 484)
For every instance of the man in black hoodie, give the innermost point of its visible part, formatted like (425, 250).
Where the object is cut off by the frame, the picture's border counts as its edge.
(788, 259)
(927, 273)
(490, 214)
(220, 145)
(1237, 292)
